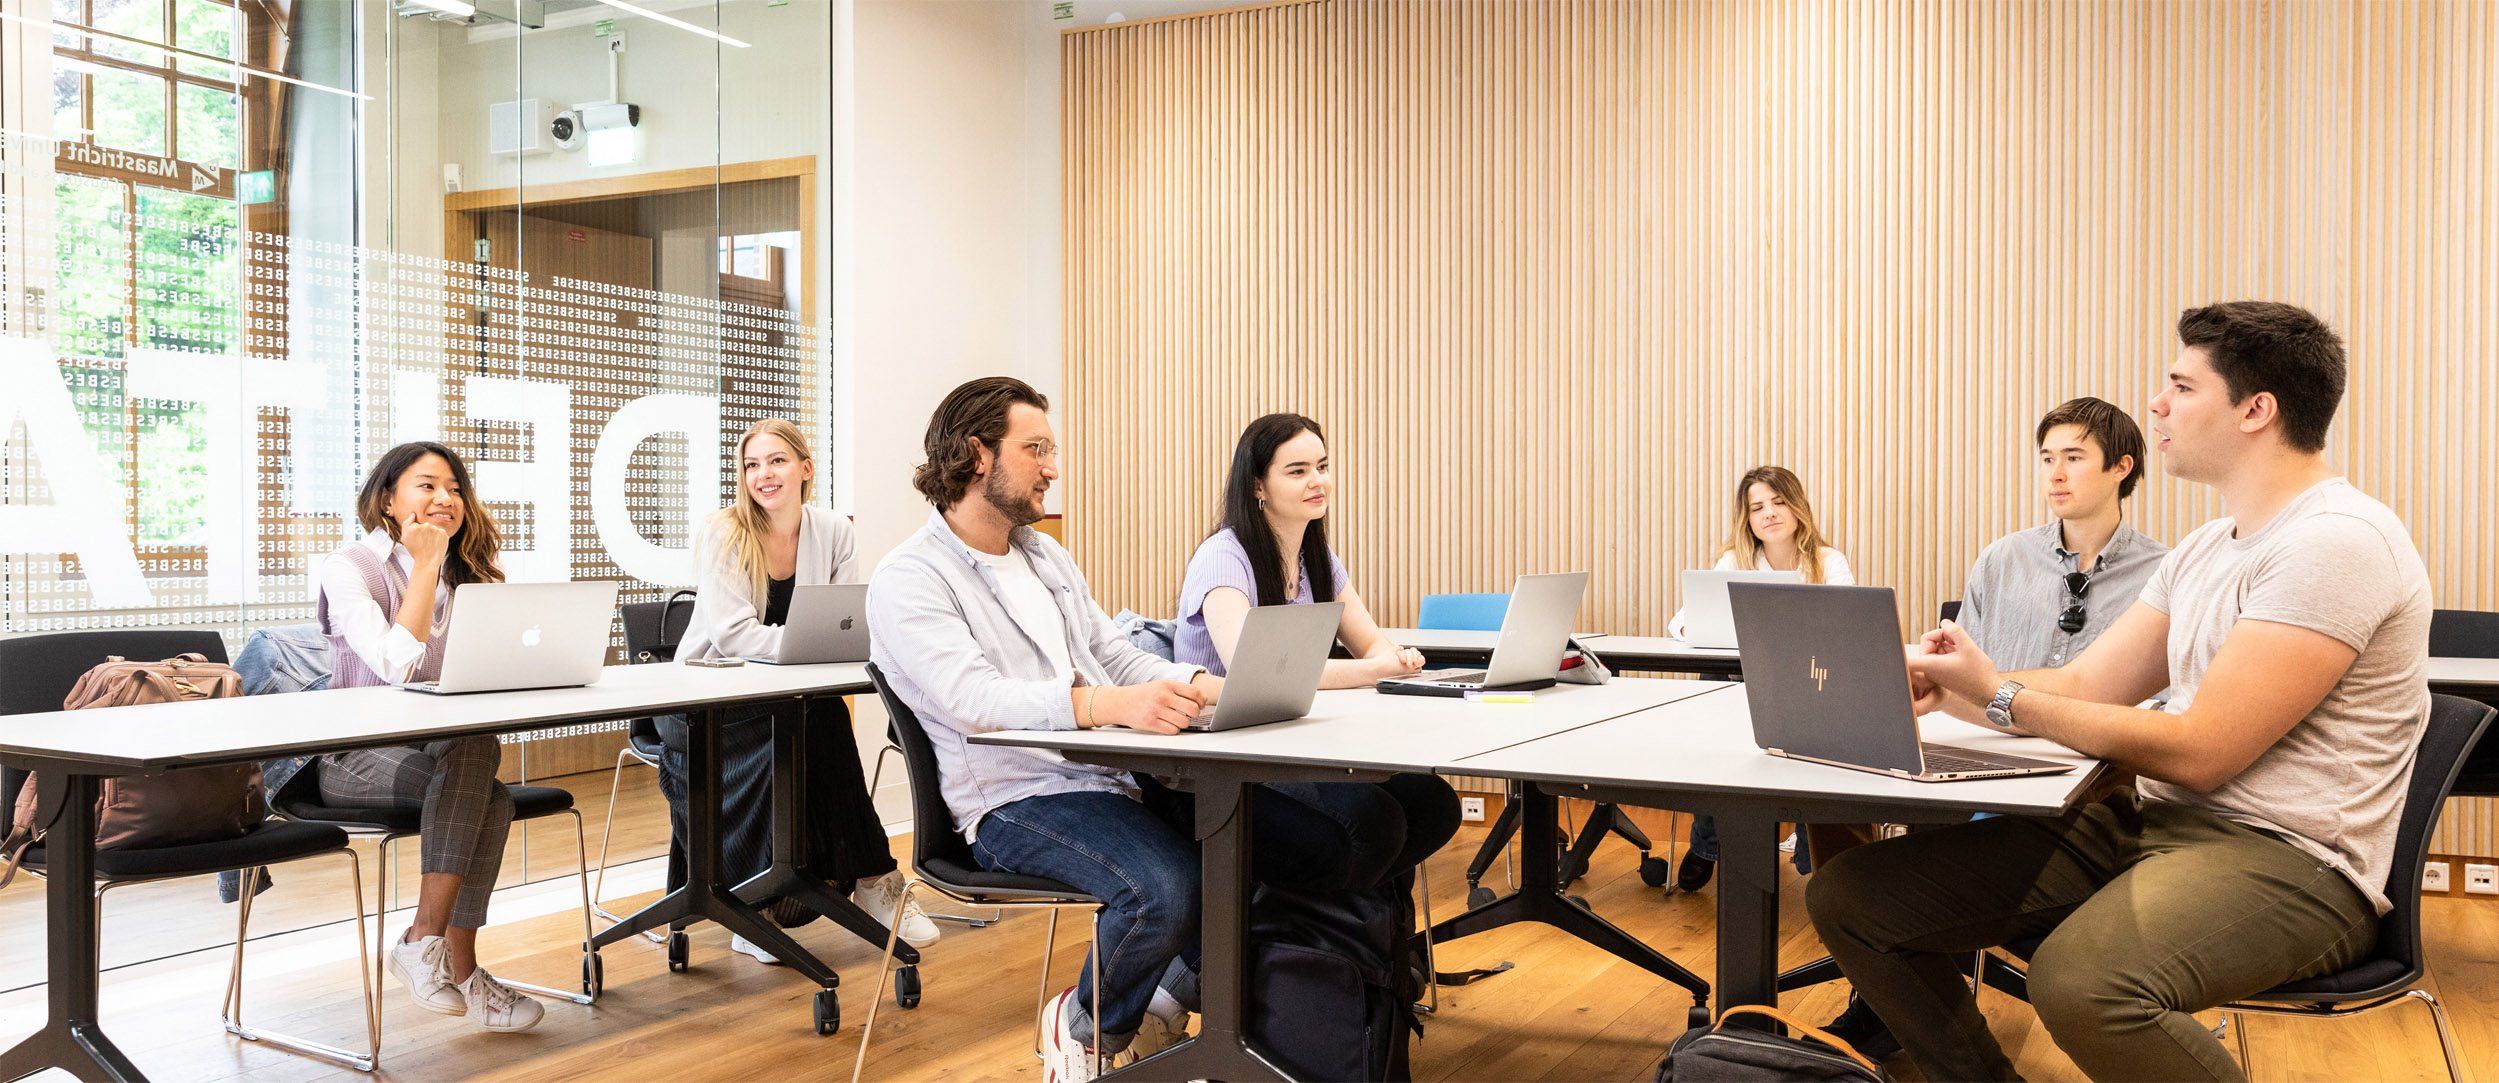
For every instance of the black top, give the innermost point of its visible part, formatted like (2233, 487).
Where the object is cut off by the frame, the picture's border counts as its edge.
(777, 600)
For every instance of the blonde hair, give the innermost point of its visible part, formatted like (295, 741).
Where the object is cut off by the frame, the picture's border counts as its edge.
(743, 524)
(1809, 539)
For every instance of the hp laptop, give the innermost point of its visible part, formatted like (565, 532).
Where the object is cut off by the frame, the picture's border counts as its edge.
(827, 623)
(1275, 668)
(1535, 632)
(1706, 621)
(1823, 671)
(510, 636)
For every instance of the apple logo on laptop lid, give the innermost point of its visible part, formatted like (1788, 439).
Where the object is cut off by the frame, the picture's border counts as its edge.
(530, 636)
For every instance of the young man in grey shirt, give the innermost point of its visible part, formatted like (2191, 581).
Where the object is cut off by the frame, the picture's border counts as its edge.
(2293, 636)
(2038, 596)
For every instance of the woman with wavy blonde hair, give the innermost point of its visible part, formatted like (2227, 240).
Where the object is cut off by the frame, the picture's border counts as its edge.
(752, 556)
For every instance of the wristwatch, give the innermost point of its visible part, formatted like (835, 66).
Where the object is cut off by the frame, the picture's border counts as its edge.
(2000, 709)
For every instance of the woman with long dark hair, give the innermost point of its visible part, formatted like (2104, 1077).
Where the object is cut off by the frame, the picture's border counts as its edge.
(1271, 548)
(384, 601)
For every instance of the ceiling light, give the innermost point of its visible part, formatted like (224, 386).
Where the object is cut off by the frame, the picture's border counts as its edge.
(680, 24)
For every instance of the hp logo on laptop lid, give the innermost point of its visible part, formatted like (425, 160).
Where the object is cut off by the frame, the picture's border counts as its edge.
(1813, 669)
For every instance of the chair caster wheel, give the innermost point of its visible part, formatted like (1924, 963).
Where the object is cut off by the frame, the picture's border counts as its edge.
(828, 1012)
(677, 950)
(1653, 871)
(1478, 898)
(907, 987)
(593, 974)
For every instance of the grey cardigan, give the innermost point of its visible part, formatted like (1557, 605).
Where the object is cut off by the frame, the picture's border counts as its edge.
(942, 635)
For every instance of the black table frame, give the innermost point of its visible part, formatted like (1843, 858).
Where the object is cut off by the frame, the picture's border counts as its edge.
(72, 1037)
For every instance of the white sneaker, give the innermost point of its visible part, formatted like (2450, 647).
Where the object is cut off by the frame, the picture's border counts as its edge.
(878, 896)
(1154, 1035)
(743, 946)
(423, 966)
(1063, 1059)
(498, 1006)
(1788, 845)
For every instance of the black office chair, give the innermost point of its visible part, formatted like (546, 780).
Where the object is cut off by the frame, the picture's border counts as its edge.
(942, 862)
(41, 671)
(2464, 633)
(300, 801)
(2389, 975)
(652, 632)
(1949, 610)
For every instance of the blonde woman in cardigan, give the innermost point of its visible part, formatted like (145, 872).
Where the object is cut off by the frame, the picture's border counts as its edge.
(751, 556)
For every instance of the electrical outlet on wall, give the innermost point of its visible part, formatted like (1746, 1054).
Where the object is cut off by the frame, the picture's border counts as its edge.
(1471, 809)
(2481, 879)
(2434, 876)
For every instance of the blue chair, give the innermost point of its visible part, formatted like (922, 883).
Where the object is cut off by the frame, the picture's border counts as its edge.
(1463, 612)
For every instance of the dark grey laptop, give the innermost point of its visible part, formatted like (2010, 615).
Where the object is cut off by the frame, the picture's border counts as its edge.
(1535, 634)
(1824, 672)
(827, 623)
(1275, 667)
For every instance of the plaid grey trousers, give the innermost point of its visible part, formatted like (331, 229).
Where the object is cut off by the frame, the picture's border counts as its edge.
(467, 812)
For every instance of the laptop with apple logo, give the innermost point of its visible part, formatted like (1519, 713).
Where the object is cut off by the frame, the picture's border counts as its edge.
(827, 623)
(505, 637)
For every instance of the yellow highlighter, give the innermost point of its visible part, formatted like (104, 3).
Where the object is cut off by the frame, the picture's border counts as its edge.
(1501, 697)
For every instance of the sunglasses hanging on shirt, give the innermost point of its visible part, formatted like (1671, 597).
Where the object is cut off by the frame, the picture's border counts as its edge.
(2077, 585)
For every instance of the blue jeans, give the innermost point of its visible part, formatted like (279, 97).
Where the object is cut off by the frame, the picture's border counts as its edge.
(1705, 843)
(1141, 859)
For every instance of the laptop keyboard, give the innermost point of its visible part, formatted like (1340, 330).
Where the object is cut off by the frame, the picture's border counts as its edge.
(1203, 720)
(1943, 758)
(1476, 677)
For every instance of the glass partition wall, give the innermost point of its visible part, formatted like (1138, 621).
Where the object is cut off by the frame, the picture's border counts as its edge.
(248, 245)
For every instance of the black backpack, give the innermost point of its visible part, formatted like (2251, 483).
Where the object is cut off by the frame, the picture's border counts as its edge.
(1331, 990)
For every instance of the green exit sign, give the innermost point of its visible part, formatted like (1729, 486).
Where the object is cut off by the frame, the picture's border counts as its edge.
(1064, 9)
(257, 186)
(603, 28)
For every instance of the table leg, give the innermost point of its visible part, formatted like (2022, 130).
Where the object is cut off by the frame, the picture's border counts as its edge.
(1221, 1049)
(791, 875)
(1748, 908)
(705, 895)
(72, 1038)
(1539, 898)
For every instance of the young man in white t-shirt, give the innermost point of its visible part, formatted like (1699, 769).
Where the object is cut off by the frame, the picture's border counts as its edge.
(2256, 846)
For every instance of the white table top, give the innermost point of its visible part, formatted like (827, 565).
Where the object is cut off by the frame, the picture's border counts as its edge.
(1660, 648)
(1361, 728)
(2457, 674)
(162, 735)
(1705, 745)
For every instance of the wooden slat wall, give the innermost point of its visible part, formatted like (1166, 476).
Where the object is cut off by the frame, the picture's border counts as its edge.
(1554, 273)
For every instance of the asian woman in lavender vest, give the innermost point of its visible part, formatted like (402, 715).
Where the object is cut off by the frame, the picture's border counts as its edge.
(384, 601)
(1271, 548)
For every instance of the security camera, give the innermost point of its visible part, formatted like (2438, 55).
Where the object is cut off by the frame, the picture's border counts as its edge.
(565, 130)
(610, 116)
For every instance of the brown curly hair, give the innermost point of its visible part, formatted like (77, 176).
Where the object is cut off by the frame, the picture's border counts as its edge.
(977, 410)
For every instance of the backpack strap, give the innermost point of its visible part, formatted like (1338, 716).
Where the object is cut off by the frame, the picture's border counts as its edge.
(1800, 1026)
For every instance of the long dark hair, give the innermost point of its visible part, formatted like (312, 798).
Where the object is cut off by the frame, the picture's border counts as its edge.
(1248, 521)
(473, 551)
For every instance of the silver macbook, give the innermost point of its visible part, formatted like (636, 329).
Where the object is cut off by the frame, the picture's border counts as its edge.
(1275, 667)
(1706, 621)
(1535, 631)
(1825, 674)
(827, 623)
(510, 636)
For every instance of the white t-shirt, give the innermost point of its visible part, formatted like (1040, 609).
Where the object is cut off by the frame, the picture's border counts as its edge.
(1029, 602)
(2336, 562)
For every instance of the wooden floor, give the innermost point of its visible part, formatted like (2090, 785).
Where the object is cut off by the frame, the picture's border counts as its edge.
(1568, 1012)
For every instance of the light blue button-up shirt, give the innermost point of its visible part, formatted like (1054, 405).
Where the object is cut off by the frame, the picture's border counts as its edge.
(940, 631)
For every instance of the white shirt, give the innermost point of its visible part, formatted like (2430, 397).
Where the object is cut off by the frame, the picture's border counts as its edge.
(1028, 601)
(386, 648)
(1835, 573)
